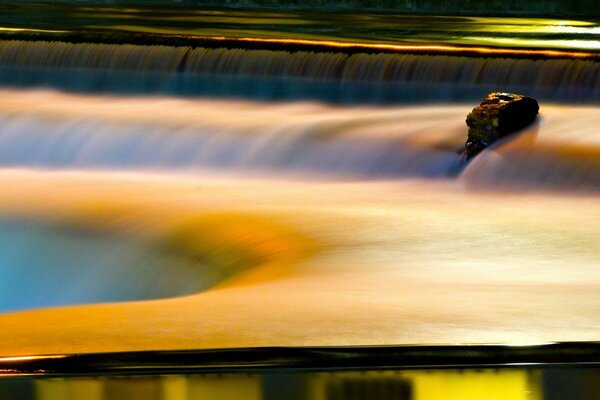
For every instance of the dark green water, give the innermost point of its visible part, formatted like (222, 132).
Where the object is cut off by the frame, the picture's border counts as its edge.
(560, 8)
(51, 20)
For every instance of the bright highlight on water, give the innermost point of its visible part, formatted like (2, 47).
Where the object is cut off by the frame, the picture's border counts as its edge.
(248, 198)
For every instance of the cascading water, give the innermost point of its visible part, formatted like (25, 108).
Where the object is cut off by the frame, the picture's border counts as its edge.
(299, 199)
(282, 75)
(60, 130)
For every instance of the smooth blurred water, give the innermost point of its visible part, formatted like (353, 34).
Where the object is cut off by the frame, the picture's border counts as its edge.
(291, 76)
(421, 239)
(49, 129)
(58, 130)
(48, 266)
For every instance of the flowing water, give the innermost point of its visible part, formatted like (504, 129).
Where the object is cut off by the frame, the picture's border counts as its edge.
(282, 75)
(45, 266)
(247, 175)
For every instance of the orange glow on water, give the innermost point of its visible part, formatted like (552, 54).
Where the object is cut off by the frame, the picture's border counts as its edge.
(28, 358)
(398, 262)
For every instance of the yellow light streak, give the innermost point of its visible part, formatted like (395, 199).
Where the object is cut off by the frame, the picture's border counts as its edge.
(581, 44)
(497, 46)
(30, 30)
(410, 47)
(526, 25)
(530, 344)
(29, 358)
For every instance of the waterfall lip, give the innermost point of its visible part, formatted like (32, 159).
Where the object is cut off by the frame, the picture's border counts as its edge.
(268, 75)
(306, 359)
(295, 45)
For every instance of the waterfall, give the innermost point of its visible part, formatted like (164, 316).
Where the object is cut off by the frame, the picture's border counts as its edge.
(336, 118)
(67, 130)
(60, 130)
(561, 152)
(282, 75)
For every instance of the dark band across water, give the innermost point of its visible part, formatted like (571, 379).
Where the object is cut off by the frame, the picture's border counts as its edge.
(308, 359)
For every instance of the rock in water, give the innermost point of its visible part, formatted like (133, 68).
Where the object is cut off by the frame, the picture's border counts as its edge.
(498, 115)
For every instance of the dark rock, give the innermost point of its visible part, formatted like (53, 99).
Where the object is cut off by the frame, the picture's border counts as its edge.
(498, 115)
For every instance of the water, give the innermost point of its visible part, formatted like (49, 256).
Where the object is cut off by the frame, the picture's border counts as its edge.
(418, 385)
(494, 384)
(282, 75)
(65, 130)
(552, 7)
(59, 130)
(321, 222)
(46, 266)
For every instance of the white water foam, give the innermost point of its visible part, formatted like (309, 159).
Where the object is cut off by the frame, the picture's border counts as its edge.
(62, 130)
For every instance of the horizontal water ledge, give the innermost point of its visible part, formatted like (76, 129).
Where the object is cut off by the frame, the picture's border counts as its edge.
(283, 75)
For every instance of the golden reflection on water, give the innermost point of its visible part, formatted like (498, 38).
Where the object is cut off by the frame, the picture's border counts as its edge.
(489, 384)
(363, 31)
(398, 262)
(487, 257)
(474, 46)
(541, 43)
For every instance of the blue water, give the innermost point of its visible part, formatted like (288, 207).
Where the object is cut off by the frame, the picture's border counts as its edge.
(44, 266)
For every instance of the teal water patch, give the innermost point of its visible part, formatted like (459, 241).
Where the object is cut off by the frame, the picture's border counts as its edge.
(43, 266)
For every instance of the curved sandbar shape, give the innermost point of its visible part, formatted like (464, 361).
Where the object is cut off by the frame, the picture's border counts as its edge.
(87, 257)
(108, 249)
(398, 263)
(50, 265)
